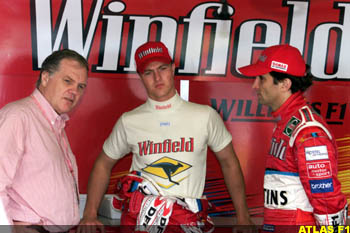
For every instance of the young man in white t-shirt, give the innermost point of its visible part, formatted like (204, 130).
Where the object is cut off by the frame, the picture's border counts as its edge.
(168, 138)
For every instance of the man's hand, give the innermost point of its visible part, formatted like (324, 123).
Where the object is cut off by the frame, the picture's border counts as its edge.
(90, 225)
(245, 229)
(245, 225)
(22, 229)
(246, 221)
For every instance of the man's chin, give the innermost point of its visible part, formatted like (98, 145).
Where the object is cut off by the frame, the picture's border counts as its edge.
(261, 101)
(67, 109)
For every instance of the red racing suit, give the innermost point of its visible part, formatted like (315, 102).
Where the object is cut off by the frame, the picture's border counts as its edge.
(145, 209)
(300, 183)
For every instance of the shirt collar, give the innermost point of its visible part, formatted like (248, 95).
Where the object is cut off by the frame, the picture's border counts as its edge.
(54, 119)
(165, 106)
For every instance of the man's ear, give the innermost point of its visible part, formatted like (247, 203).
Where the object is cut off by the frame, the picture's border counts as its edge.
(45, 77)
(286, 84)
(173, 67)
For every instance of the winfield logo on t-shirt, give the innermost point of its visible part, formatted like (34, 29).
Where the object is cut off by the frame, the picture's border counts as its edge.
(167, 146)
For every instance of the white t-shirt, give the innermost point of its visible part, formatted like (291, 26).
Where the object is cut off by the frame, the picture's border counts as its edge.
(169, 143)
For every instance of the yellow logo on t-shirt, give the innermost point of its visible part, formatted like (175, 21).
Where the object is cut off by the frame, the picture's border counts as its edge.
(167, 168)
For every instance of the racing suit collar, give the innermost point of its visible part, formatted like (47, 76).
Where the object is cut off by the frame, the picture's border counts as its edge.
(289, 107)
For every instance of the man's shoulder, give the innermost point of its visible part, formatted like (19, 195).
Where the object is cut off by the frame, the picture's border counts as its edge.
(306, 121)
(17, 107)
(201, 110)
(307, 114)
(16, 113)
(198, 107)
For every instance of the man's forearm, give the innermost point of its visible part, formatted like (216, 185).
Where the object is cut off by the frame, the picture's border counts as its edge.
(97, 186)
(235, 185)
(234, 181)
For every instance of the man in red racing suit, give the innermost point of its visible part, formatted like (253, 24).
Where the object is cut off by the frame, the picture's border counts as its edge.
(300, 183)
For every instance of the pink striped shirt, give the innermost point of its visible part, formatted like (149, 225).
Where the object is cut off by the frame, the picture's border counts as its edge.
(38, 171)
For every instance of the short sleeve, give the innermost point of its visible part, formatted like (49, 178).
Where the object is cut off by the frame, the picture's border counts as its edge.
(116, 145)
(218, 135)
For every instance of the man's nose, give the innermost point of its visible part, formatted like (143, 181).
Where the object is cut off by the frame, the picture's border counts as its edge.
(256, 83)
(74, 90)
(157, 75)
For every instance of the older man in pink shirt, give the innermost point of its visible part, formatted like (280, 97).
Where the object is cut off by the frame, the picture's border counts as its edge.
(38, 171)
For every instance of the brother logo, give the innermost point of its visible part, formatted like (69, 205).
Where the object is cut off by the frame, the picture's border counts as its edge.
(321, 186)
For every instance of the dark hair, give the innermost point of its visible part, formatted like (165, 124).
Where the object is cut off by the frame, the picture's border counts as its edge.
(52, 62)
(298, 83)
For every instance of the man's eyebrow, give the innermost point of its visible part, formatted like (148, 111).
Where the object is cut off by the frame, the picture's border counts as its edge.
(67, 76)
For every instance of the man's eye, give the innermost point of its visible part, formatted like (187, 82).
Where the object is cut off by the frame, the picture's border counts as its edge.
(82, 87)
(67, 80)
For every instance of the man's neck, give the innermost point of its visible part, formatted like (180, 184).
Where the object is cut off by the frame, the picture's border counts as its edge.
(283, 98)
